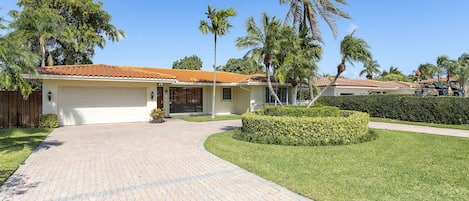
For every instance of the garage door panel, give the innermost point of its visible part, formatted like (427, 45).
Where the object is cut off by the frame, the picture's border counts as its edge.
(89, 105)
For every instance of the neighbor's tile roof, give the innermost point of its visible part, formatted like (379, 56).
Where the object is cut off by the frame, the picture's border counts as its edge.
(101, 70)
(442, 79)
(323, 81)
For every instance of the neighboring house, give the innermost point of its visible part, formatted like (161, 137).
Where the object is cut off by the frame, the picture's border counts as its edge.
(344, 86)
(98, 93)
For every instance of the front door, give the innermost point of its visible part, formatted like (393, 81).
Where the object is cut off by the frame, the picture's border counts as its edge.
(159, 97)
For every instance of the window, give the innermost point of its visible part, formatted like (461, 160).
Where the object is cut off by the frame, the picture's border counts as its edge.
(226, 94)
(184, 100)
(346, 94)
(281, 93)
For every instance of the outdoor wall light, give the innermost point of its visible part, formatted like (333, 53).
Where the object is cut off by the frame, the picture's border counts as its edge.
(152, 95)
(49, 96)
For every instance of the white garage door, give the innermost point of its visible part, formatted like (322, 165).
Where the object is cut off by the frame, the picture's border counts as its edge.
(94, 105)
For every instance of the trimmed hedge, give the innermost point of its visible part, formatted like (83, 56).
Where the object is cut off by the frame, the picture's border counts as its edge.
(440, 110)
(48, 121)
(312, 131)
(293, 111)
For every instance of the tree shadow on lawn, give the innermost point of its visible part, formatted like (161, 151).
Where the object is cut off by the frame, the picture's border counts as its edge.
(228, 128)
(14, 144)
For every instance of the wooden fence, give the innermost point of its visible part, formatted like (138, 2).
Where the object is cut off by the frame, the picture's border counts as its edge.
(17, 112)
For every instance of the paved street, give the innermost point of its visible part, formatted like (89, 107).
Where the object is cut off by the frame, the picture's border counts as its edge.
(420, 129)
(136, 161)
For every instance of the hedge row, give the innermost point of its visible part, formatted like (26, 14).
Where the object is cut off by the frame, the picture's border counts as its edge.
(441, 110)
(48, 121)
(292, 111)
(312, 131)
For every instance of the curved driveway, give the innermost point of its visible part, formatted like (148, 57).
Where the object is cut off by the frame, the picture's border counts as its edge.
(136, 161)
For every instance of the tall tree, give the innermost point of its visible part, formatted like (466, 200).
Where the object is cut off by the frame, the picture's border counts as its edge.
(447, 65)
(370, 68)
(246, 66)
(427, 71)
(352, 49)
(463, 71)
(310, 10)
(69, 31)
(15, 59)
(441, 61)
(218, 26)
(40, 26)
(296, 59)
(191, 63)
(263, 41)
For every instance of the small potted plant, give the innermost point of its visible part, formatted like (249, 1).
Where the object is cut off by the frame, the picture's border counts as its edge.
(157, 115)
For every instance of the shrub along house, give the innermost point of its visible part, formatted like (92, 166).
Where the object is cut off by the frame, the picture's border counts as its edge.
(98, 93)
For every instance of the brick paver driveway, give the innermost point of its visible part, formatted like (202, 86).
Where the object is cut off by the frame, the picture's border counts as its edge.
(136, 161)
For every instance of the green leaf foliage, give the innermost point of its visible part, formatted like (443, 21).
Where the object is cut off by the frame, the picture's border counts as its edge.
(304, 130)
(190, 63)
(48, 121)
(65, 31)
(440, 110)
(292, 111)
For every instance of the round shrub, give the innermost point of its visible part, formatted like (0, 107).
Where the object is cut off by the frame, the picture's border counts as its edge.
(348, 127)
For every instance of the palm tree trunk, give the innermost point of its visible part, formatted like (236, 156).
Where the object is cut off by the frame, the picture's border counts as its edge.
(310, 87)
(340, 69)
(295, 93)
(214, 76)
(271, 89)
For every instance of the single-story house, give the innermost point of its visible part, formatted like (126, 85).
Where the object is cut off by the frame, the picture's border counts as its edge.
(344, 86)
(98, 93)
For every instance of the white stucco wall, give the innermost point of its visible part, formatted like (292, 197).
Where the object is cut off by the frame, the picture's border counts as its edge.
(242, 97)
(257, 97)
(55, 86)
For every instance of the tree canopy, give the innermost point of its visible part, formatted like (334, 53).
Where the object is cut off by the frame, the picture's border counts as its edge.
(245, 66)
(15, 59)
(190, 63)
(65, 31)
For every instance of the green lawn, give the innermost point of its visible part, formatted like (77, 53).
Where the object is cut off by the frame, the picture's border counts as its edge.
(396, 166)
(209, 118)
(15, 146)
(462, 127)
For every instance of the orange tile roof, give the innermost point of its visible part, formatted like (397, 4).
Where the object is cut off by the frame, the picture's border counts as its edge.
(101, 70)
(201, 76)
(323, 81)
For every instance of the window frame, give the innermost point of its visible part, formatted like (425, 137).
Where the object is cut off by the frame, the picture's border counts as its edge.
(223, 94)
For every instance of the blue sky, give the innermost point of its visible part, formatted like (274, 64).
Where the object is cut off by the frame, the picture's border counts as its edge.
(402, 33)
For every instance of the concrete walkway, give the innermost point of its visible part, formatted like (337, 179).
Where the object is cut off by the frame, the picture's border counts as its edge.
(420, 129)
(136, 161)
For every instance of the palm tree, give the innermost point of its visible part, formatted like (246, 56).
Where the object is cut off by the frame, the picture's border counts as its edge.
(16, 59)
(219, 26)
(264, 41)
(42, 25)
(296, 60)
(463, 71)
(441, 63)
(444, 63)
(352, 49)
(307, 10)
(371, 67)
(427, 71)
